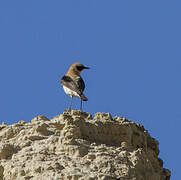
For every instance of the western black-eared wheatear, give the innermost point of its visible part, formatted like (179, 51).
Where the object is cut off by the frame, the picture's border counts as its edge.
(73, 83)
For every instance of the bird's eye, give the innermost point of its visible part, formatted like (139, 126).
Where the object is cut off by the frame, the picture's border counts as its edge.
(80, 68)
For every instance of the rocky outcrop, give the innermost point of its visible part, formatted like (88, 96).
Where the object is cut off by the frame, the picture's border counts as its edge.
(74, 146)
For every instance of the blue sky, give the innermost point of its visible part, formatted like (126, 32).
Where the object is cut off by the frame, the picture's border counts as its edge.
(132, 47)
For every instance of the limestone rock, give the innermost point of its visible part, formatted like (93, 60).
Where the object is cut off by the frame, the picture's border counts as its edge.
(75, 146)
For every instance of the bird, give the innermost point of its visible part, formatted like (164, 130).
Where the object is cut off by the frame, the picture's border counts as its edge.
(73, 84)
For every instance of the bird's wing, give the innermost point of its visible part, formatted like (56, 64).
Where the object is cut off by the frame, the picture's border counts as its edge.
(75, 85)
(80, 84)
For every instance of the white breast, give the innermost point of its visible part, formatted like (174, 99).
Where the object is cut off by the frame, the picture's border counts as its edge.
(70, 92)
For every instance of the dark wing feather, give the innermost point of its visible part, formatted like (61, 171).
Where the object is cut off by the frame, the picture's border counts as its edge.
(75, 85)
(80, 84)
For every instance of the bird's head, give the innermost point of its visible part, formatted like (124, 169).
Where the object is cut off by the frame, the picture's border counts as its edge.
(76, 69)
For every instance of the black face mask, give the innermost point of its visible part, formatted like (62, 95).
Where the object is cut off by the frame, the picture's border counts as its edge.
(80, 68)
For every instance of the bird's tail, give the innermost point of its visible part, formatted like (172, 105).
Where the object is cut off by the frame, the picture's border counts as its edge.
(83, 97)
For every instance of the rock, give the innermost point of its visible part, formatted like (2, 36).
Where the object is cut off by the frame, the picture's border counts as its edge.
(73, 145)
(42, 129)
(58, 166)
(7, 150)
(106, 116)
(1, 172)
(35, 138)
(3, 125)
(20, 123)
(40, 118)
(10, 132)
(91, 156)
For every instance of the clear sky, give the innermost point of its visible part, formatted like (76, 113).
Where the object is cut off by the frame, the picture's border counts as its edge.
(132, 47)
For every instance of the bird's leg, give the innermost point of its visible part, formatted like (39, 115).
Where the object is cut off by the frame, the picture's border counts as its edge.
(80, 104)
(70, 108)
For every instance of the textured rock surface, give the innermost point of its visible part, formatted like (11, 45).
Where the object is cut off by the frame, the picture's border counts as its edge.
(73, 146)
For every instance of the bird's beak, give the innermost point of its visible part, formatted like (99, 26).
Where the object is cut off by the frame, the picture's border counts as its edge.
(86, 67)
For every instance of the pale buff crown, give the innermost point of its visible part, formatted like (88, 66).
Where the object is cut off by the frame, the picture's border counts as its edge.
(74, 71)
